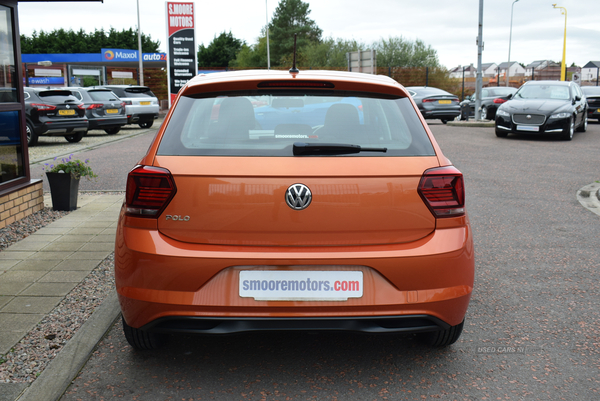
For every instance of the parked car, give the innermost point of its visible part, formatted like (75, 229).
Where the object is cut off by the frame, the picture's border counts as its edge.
(435, 103)
(544, 107)
(53, 112)
(592, 94)
(103, 108)
(314, 225)
(491, 98)
(141, 105)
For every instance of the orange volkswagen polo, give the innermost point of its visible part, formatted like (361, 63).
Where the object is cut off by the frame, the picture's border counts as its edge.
(310, 200)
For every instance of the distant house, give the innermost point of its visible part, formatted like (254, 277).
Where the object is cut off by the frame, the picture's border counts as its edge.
(489, 69)
(536, 66)
(469, 71)
(514, 69)
(589, 72)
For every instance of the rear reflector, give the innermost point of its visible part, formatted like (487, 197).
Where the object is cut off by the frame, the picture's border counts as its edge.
(443, 191)
(295, 84)
(149, 191)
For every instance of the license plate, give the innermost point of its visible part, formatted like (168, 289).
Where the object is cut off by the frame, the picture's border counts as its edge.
(112, 111)
(66, 112)
(528, 128)
(145, 103)
(445, 101)
(598, 110)
(277, 285)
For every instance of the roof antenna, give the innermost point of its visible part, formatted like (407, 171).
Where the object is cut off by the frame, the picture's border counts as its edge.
(294, 70)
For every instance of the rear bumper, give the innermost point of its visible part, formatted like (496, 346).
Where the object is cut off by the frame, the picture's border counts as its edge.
(140, 118)
(102, 123)
(61, 127)
(165, 285)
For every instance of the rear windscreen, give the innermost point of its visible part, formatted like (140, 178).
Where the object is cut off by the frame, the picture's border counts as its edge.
(135, 92)
(58, 96)
(269, 124)
(103, 96)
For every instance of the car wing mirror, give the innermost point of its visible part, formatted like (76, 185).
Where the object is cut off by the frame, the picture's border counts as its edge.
(509, 96)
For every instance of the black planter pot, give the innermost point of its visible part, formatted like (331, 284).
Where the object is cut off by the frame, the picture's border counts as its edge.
(64, 190)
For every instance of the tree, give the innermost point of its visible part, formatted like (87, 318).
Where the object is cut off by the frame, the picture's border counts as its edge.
(220, 52)
(291, 17)
(400, 52)
(329, 53)
(252, 56)
(62, 41)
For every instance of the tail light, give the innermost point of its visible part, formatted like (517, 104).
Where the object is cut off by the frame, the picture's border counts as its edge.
(127, 102)
(429, 100)
(81, 106)
(41, 106)
(123, 104)
(149, 191)
(443, 191)
(95, 106)
(499, 100)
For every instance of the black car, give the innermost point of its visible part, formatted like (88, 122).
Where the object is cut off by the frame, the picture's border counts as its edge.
(592, 94)
(491, 99)
(103, 108)
(435, 103)
(54, 112)
(544, 107)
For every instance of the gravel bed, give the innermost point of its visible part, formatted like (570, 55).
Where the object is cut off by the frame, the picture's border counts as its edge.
(23, 228)
(33, 353)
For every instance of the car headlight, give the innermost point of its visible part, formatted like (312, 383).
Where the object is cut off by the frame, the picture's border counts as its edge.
(560, 115)
(502, 113)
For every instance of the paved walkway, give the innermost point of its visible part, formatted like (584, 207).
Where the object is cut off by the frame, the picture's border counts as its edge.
(37, 272)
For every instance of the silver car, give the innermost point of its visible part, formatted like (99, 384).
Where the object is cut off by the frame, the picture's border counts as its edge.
(141, 105)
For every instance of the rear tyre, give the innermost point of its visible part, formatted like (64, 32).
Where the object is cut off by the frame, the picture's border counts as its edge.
(146, 124)
(75, 137)
(569, 130)
(32, 137)
(140, 339)
(444, 337)
(444, 121)
(112, 131)
(501, 134)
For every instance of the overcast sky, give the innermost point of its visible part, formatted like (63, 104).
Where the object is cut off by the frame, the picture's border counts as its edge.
(450, 27)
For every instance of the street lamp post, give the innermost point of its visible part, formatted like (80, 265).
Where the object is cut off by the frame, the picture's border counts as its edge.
(563, 67)
(141, 67)
(268, 51)
(509, 42)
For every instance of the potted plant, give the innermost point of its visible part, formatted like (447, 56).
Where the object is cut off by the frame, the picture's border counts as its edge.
(64, 181)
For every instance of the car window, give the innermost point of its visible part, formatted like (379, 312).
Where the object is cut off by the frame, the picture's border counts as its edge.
(235, 126)
(77, 95)
(138, 92)
(591, 90)
(58, 96)
(103, 95)
(543, 92)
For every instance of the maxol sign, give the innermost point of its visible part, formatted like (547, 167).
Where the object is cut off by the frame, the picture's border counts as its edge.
(119, 55)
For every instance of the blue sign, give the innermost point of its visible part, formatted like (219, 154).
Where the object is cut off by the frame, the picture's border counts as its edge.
(46, 80)
(119, 55)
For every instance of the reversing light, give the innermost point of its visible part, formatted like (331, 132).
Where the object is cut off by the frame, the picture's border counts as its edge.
(443, 191)
(149, 191)
(296, 84)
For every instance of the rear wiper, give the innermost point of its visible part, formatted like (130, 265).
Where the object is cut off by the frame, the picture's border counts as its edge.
(301, 148)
